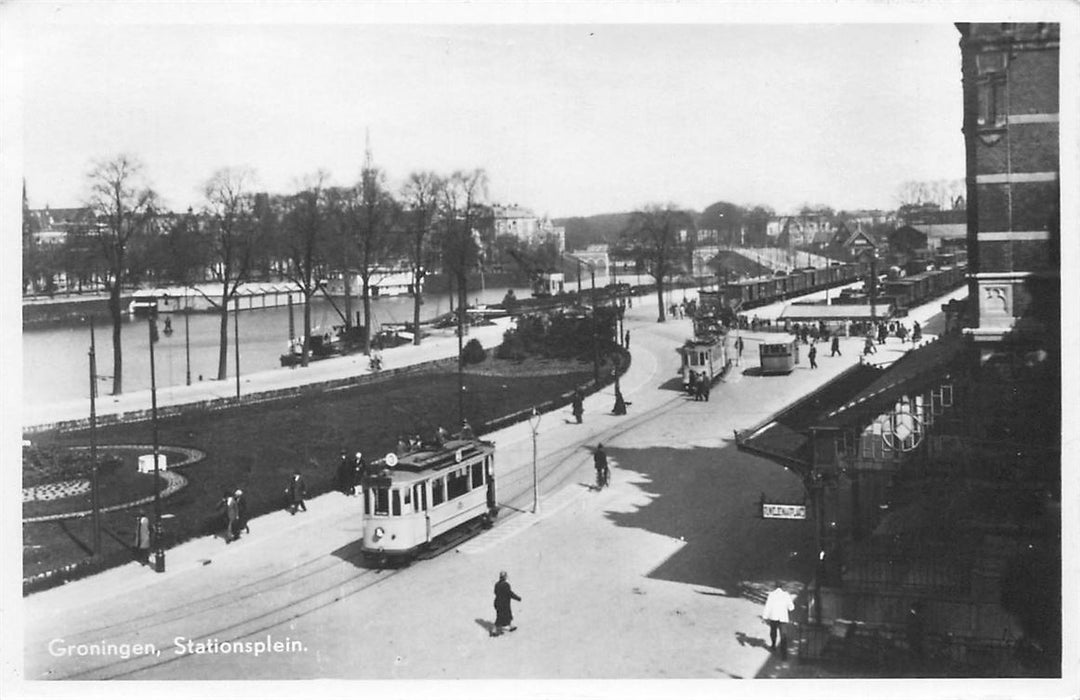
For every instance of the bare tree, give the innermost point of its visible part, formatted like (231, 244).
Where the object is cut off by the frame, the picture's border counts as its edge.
(420, 195)
(461, 211)
(652, 236)
(304, 230)
(233, 239)
(378, 212)
(124, 204)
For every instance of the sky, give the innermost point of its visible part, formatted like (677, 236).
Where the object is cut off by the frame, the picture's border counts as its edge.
(568, 119)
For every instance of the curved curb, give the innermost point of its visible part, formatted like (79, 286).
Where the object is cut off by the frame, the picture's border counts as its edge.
(173, 482)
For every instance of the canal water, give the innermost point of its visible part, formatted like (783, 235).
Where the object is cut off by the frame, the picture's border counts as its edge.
(56, 358)
(56, 364)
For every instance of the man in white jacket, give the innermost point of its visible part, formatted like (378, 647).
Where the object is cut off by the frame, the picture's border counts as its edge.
(778, 607)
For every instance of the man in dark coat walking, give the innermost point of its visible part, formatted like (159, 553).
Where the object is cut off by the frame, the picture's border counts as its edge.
(295, 492)
(603, 473)
(503, 615)
(577, 406)
(835, 350)
(813, 356)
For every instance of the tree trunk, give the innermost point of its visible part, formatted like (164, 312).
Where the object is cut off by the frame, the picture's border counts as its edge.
(417, 300)
(223, 336)
(463, 302)
(307, 328)
(366, 299)
(660, 297)
(347, 278)
(118, 355)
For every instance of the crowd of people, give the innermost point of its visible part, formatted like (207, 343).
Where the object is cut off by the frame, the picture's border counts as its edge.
(700, 385)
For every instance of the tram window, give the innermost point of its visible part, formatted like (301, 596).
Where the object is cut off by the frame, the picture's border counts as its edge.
(396, 501)
(408, 497)
(477, 475)
(457, 483)
(367, 501)
(382, 500)
(437, 491)
(421, 496)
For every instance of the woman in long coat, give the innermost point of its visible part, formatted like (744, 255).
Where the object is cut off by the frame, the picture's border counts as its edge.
(503, 595)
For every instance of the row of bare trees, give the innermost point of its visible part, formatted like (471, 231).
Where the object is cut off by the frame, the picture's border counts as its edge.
(241, 235)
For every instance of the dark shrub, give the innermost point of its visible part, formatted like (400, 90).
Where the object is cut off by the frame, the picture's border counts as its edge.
(512, 347)
(473, 353)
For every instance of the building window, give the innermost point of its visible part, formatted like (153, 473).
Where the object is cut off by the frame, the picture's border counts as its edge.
(992, 117)
(992, 106)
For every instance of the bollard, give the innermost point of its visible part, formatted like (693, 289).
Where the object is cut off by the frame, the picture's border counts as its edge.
(159, 561)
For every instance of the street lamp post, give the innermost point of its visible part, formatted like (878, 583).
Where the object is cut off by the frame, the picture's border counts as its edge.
(236, 341)
(95, 493)
(534, 424)
(187, 337)
(159, 550)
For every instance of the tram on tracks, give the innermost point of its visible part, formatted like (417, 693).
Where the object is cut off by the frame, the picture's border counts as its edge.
(708, 353)
(414, 501)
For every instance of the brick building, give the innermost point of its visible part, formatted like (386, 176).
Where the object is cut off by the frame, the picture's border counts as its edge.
(935, 483)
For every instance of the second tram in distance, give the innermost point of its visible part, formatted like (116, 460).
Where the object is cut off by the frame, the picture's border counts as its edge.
(414, 498)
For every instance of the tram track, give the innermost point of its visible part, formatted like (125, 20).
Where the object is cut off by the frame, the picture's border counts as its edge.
(210, 614)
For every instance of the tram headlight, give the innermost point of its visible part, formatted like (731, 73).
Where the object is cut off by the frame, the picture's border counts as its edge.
(379, 532)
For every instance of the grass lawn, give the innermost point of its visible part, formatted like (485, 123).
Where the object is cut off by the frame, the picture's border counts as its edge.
(257, 447)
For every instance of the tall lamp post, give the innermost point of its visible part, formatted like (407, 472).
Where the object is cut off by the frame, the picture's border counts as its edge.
(95, 493)
(534, 424)
(187, 338)
(159, 550)
(236, 341)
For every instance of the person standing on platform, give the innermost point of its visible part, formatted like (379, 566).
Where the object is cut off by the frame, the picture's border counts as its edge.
(835, 350)
(813, 356)
(868, 346)
(141, 544)
(738, 350)
(345, 474)
(626, 340)
(359, 473)
(241, 513)
(777, 615)
(577, 406)
(504, 617)
(228, 504)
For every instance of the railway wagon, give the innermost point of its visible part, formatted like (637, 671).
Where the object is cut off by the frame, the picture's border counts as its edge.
(420, 496)
(759, 291)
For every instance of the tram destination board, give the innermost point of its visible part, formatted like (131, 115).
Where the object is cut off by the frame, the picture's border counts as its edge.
(783, 511)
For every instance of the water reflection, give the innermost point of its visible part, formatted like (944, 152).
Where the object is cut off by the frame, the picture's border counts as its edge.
(56, 359)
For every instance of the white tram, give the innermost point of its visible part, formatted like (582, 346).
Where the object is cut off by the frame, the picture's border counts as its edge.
(416, 497)
(706, 355)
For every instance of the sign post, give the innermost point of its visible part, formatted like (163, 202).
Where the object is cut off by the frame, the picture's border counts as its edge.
(782, 511)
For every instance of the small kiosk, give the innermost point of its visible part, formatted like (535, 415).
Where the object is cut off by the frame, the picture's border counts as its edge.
(779, 358)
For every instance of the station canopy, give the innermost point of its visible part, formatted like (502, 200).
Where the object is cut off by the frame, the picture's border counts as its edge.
(834, 312)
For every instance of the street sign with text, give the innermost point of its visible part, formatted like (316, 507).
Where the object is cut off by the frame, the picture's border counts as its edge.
(783, 511)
